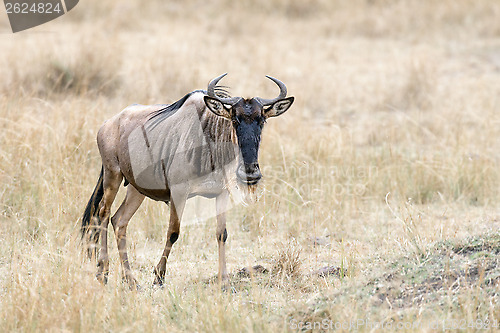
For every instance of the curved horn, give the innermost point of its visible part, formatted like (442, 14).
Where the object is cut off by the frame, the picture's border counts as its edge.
(282, 94)
(211, 91)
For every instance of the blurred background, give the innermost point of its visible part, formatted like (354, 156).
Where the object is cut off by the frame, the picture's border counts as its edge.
(392, 146)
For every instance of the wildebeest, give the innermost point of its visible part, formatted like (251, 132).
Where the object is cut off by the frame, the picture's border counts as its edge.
(195, 146)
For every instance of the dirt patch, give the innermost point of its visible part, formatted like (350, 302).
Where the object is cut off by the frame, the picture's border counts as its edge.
(451, 270)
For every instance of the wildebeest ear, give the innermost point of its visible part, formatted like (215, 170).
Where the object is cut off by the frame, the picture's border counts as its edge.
(217, 107)
(278, 107)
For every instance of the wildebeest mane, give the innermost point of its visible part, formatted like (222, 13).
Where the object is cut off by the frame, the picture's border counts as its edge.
(219, 134)
(158, 116)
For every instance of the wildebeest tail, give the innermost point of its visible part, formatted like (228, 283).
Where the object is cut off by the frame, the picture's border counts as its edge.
(90, 221)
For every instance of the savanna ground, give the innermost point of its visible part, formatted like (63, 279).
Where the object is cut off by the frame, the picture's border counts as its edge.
(385, 170)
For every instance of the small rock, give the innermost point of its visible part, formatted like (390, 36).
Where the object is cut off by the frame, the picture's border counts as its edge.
(249, 271)
(319, 241)
(327, 271)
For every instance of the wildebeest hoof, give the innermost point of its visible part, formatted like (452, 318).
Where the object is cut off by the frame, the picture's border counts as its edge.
(158, 282)
(131, 282)
(102, 277)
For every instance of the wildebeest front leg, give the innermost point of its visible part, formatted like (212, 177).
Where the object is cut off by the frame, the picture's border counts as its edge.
(111, 183)
(221, 234)
(176, 207)
(120, 221)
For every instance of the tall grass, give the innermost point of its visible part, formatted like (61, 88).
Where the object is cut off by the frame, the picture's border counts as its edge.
(398, 97)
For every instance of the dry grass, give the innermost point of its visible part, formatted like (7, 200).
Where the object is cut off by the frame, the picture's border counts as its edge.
(391, 96)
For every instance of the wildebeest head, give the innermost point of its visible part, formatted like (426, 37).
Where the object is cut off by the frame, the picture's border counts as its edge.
(248, 117)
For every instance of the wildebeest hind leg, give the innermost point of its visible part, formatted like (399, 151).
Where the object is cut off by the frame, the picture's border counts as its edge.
(111, 183)
(120, 221)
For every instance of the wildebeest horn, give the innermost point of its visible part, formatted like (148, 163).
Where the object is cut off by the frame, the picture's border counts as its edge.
(282, 94)
(211, 91)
